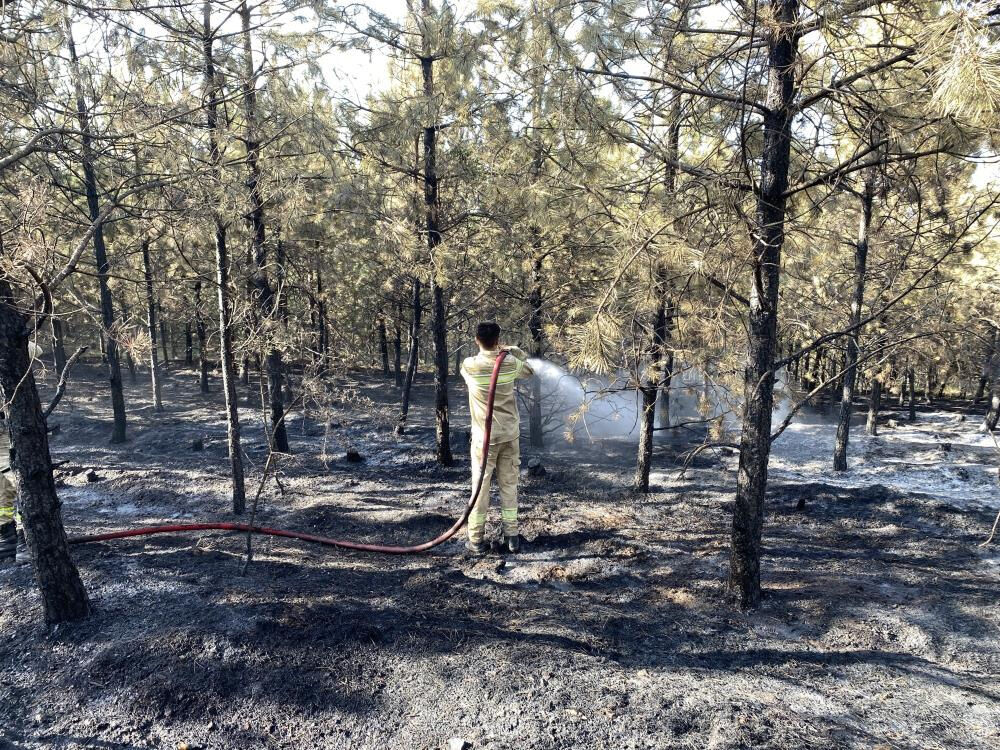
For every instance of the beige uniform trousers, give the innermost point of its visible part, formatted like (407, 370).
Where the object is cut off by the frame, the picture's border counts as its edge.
(505, 458)
(8, 493)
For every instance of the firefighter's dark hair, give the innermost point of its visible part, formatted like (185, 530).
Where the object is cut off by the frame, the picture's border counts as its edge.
(488, 334)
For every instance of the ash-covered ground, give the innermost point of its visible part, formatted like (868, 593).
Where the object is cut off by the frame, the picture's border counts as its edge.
(611, 629)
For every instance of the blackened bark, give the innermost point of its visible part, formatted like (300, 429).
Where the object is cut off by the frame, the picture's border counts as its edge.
(441, 414)
(648, 390)
(324, 343)
(164, 339)
(670, 185)
(154, 364)
(411, 362)
(264, 297)
(282, 291)
(228, 368)
(762, 318)
(129, 362)
(202, 340)
(439, 322)
(110, 344)
(874, 403)
(397, 346)
(942, 385)
(667, 379)
(993, 412)
(188, 345)
(911, 392)
(850, 375)
(58, 343)
(984, 378)
(816, 368)
(222, 273)
(383, 346)
(660, 359)
(63, 595)
(536, 437)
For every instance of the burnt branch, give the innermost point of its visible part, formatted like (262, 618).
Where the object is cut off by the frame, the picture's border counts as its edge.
(61, 387)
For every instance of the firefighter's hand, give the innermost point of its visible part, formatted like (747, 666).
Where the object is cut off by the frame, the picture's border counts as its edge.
(516, 351)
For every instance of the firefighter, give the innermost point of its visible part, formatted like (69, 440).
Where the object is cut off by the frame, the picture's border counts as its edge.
(12, 541)
(11, 535)
(505, 453)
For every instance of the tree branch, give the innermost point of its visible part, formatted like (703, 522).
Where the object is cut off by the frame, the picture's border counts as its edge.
(61, 387)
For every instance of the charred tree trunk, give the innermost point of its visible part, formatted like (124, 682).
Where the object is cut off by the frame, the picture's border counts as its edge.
(649, 390)
(129, 361)
(324, 341)
(108, 341)
(984, 378)
(244, 371)
(432, 227)
(930, 375)
(411, 362)
(202, 340)
(154, 364)
(110, 350)
(383, 346)
(762, 318)
(536, 437)
(993, 412)
(850, 375)
(814, 375)
(911, 392)
(188, 345)
(660, 361)
(941, 385)
(441, 412)
(222, 274)
(264, 297)
(58, 343)
(874, 403)
(62, 591)
(666, 381)
(281, 293)
(164, 339)
(397, 346)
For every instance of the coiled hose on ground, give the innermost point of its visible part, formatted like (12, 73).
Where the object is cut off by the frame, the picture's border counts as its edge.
(324, 540)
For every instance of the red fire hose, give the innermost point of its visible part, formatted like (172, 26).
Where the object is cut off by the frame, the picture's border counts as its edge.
(384, 548)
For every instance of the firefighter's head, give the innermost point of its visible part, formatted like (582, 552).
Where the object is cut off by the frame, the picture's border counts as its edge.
(488, 335)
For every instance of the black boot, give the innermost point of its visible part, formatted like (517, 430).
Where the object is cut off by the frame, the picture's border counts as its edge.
(8, 540)
(476, 548)
(512, 543)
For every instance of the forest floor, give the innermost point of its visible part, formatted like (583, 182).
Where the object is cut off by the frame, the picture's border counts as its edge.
(611, 629)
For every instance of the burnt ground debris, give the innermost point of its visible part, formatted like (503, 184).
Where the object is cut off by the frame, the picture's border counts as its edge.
(612, 628)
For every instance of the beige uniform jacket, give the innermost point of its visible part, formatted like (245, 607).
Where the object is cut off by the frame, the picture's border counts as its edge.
(477, 371)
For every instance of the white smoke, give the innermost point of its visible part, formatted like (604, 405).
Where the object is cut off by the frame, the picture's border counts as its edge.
(580, 406)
